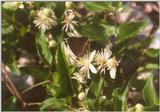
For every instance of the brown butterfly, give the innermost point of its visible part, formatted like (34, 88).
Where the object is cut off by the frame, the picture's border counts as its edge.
(78, 45)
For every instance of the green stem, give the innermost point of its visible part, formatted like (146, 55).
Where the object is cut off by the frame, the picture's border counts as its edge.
(101, 83)
(69, 100)
(115, 101)
(116, 30)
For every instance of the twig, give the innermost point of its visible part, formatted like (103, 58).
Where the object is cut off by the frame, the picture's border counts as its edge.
(11, 87)
(36, 85)
(33, 104)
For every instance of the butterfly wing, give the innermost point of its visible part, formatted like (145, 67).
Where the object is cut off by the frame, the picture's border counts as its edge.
(78, 45)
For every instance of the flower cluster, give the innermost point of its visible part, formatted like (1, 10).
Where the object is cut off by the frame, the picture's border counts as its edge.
(94, 62)
(69, 24)
(45, 19)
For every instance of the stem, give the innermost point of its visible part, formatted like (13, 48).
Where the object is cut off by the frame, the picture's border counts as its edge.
(10, 85)
(116, 31)
(34, 104)
(69, 101)
(101, 83)
(36, 85)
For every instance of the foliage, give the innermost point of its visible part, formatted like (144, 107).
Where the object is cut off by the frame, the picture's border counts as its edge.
(65, 91)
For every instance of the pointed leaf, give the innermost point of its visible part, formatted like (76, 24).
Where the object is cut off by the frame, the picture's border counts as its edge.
(64, 80)
(53, 104)
(130, 29)
(42, 47)
(149, 92)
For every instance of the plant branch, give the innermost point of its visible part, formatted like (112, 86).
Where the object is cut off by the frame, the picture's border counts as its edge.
(36, 85)
(11, 87)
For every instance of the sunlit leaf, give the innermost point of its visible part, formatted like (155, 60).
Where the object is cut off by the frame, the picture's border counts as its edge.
(108, 29)
(103, 6)
(152, 108)
(93, 31)
(64, 80)
(152, 53)
(149, 93)
(53, 104)
(130, 29)
(95, 6)
(42, 47)
(120, 96)
(6, 28)
(152, 66)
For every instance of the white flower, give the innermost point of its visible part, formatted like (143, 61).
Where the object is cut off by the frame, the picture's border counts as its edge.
(112, 64)
(82, 96)
(52, 44)
(139, 108)
(80, 77)
(85, 64)
(71, 58)
(69, 24)
(101, 59)
(45, 19)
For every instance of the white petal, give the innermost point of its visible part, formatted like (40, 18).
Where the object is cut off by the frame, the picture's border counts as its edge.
(88, 74)
(92, 68)
(82, 69)
(113, 73)
(92, 55)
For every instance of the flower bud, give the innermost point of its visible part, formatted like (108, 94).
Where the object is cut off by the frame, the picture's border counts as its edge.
(138, 107)
(21, 6)
(69, 14)
(52, 43)
(68, 4)
(81, 96)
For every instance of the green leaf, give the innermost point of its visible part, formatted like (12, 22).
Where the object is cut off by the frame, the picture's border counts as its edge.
(152, 108)
(42, 47)
(13, 66)
(152, 52)
(53, 104)
(149, 93)
(152, 66)
(103, 6)
(120, 95)
(64, 80)
(95, 6)
(91, 104)
(108, 29)
(130, 29)
(6, 27)
(10, 6)
(93, 91)
(92, 31)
